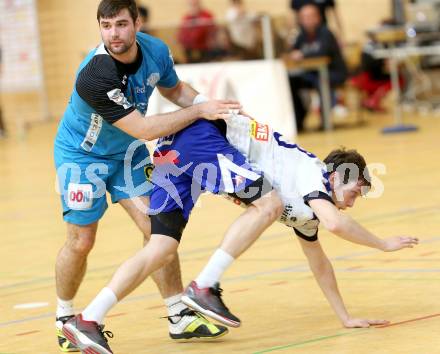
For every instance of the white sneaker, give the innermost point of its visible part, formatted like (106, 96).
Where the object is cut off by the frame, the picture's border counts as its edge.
(190, 325)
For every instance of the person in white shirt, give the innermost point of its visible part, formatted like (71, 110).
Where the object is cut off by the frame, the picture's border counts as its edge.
(243, 29)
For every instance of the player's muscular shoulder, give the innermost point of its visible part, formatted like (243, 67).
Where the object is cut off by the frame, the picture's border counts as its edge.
(100, 73)
(102, 86)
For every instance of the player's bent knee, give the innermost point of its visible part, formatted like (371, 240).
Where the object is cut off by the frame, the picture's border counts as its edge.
(82, 245)
(262, 195)
(161, 251)
(278, 206)
(159, 260)
(81, 239)
(271, 205)
(168, 258)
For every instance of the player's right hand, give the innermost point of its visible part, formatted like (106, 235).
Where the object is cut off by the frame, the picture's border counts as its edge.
(399, 242)
(218, 109)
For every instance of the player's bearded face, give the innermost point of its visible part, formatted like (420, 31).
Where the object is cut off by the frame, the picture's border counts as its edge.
(118, 33)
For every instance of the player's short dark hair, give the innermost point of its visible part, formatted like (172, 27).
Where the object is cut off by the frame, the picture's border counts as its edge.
(110, 8)
(349, 162)
(144, 12)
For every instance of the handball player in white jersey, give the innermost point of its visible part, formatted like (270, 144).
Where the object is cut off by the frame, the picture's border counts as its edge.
(313, 191)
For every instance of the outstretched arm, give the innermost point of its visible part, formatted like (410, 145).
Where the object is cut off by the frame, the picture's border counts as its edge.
(156, 126)
(345, 227)
(325, 276)
(181, 95)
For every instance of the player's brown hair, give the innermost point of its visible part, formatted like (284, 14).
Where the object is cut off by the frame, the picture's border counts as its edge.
(110, 8)
(346, 162)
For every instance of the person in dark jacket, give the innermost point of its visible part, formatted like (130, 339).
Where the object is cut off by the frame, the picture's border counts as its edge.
(325, 7)
(314, 40)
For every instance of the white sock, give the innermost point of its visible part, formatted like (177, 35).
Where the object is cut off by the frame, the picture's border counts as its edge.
(100, 305)
(64, 308)
(217, 265)
(175, 305)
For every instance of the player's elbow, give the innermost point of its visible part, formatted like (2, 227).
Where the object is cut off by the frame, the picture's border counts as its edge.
(335, 226)
(335, 222)
(149, 134)
(149, 137)
(172, 94)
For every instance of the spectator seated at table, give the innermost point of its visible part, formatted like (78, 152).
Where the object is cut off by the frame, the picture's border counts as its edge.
(314, 40)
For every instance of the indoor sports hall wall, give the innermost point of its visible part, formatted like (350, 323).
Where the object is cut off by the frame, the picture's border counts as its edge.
(357, 15)
(68, 30)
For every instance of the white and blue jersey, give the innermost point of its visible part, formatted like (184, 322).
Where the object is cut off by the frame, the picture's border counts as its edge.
(296, 174)
(231, 157)
(89, 150)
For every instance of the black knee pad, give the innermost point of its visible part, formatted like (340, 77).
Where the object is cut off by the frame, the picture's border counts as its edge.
(254, 191)
(169, 224)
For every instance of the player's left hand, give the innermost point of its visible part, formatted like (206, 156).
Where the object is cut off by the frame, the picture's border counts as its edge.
(363, 323)
(397, 243)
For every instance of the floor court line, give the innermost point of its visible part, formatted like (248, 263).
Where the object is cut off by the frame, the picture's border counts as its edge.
(117, 314)
(353, 332)
(199, 250)
(114, 266)
(409, 321)
(150, 295)
(27, 333)
(313, 340)
(297, 269)
(268, 237)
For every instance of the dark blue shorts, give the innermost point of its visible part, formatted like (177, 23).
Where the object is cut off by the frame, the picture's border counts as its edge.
(195, 160)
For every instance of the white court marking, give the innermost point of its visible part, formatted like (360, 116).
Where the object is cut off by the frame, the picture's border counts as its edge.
(31, 305)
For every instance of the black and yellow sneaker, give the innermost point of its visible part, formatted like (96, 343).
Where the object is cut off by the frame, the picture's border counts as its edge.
(63, 342)
(192, 325)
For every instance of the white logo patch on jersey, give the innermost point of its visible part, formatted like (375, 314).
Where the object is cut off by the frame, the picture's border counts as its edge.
(93, 132)
(153, 80)
(292, 171)
(79, 196)
(260, 131)
(118, 97)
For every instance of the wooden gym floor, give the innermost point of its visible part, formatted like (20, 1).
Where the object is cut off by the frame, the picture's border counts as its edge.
(270, 287)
